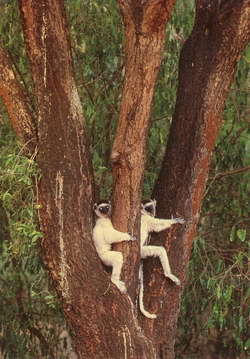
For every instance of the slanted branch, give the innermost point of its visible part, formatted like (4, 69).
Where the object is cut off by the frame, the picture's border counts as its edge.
(17, 104)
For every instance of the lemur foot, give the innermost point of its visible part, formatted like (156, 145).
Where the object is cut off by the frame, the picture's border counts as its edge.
(120, 285)
(174, 279)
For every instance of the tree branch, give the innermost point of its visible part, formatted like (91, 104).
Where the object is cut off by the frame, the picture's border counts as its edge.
(16, 103)
(229, 173)
(239, 132)
(145, 27)
(206, 69)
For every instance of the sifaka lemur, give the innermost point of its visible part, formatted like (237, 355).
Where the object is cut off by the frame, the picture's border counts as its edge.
(104, 235)
(151, 224)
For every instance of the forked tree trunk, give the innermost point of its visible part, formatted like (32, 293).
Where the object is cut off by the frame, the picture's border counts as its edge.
(101, 319)
(104, 322)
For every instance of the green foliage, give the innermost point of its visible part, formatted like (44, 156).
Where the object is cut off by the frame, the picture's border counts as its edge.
(30, 319)
(97, 38)
(13, 41)
(214, 313)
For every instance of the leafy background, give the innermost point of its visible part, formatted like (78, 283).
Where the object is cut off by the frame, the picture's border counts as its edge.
(214, 314)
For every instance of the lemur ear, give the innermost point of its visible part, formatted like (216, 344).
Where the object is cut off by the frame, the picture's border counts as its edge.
(95, 206)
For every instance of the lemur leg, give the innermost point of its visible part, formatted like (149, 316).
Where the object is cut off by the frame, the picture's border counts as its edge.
(115, 260)
(158, 251)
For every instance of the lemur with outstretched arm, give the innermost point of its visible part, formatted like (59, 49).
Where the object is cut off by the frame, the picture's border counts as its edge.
(104, 235)
(151, 224)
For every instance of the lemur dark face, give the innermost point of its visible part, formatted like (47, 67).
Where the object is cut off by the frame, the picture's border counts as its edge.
(150, 209)
(102, 208)
(148, 206)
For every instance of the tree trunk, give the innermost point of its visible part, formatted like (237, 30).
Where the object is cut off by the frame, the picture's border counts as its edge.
(207, 66)
(145, 28)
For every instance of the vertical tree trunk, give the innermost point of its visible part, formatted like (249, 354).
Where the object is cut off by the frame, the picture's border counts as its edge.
(145, 27)
(207, 66)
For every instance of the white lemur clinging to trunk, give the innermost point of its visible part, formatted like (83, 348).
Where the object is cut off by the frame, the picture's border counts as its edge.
(104, 235)
(151, 224)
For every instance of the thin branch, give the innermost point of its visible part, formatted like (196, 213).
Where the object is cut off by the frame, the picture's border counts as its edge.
(222, 213)
(215, 229)
(220, 228)
(21, 79)
(161, 118)
(229, 173)
(238, 133)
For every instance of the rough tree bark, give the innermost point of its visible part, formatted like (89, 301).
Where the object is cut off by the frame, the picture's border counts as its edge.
(207, 66)
(145, 28)
(17, 103)
(66, 195)
(103, 322)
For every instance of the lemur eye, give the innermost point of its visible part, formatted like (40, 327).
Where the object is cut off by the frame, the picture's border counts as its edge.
(104, 209)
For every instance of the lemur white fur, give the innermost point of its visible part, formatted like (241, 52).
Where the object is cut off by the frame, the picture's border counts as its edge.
(151, 224)
(104, 235)
(141, 290)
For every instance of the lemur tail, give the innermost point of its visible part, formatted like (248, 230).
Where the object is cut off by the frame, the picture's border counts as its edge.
(142, 309)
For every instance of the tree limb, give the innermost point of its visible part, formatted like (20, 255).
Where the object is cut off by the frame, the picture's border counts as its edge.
(229, 173)
(145, 28)
(16, 103)
(206, 70)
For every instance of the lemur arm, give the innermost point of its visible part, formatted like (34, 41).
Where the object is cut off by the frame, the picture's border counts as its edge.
(115, 236)
(158, 225)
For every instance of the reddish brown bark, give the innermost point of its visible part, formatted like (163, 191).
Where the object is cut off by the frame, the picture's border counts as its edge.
(17, 103)
(102, 320)
(145, 26)
(207, 66)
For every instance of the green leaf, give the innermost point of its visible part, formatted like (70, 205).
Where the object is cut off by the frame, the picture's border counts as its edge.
(239, 257)
(241, 323)
(218, 292)
(6, 196)
(232, 234)
(247, 344)
(247, 54)
(242, 233)
(36, 236)
(33, 293)
(211, 282)
(228, 293)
